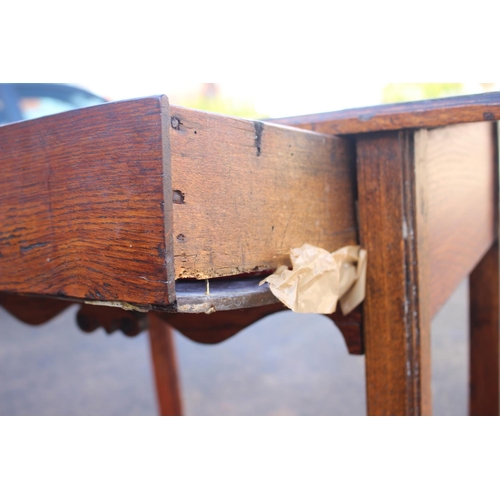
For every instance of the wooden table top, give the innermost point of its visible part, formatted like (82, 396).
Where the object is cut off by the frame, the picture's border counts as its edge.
(419, 114)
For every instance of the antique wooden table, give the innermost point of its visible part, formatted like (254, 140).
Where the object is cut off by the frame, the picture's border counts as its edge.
(152, 216)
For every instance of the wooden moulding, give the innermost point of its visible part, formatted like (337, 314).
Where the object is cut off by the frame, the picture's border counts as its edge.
(407, 115)
(222, 325)
(115, 202)
(33, 310)
(236, 305)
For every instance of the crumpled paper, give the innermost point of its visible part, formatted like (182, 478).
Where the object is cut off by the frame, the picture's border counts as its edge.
(319, 279)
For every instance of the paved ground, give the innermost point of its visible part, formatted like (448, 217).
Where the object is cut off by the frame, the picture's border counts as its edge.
(285, 365)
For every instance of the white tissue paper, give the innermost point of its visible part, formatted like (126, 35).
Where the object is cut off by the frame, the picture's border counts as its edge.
(319, 279)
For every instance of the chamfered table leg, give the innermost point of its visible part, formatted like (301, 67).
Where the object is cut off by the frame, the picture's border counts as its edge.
(484, 369)
(164, 367)
(396, 318)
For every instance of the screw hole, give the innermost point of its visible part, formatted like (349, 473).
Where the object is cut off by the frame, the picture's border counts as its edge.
(178, 197)
(176, 123)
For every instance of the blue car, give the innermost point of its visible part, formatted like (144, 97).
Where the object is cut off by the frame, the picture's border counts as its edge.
(22, 101)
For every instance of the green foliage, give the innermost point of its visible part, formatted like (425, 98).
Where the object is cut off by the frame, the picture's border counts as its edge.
(400, 92)
(218, 104)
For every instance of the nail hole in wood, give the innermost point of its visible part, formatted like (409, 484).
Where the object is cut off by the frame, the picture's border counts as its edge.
(176, 123)
(178, 197)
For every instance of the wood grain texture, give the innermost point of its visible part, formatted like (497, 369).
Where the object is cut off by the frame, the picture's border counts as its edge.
(164, 367)
(248, 192)
(396, 328)
(88, 210)
(460, 183)
(414, 115)
(85, 202)
(484, 319)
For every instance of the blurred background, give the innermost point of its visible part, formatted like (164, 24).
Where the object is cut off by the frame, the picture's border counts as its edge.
(247, 100)
(284, 365)
(268, 99)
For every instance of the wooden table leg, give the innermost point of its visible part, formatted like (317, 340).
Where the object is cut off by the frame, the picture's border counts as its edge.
(484, 382)
(164, 366)
(396, 314)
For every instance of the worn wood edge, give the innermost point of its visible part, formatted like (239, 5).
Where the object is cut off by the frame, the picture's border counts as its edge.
(224, 295)
(418, 265)
(168, 217)
(416, 114)
(126, 306)
(75, 111)
(268, 122)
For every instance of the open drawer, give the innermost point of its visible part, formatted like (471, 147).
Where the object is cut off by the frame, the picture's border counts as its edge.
(138, 203)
